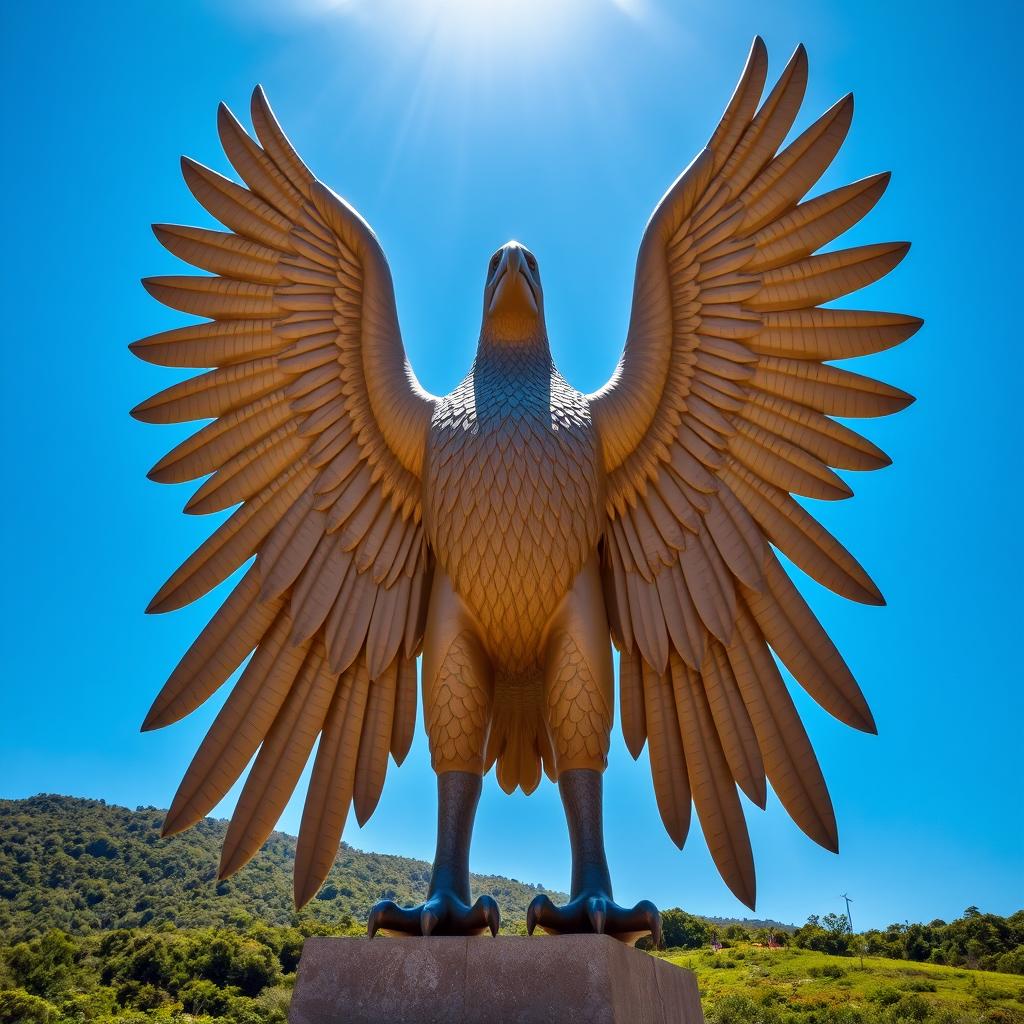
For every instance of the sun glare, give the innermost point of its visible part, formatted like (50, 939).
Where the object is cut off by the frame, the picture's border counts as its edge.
(474, 31)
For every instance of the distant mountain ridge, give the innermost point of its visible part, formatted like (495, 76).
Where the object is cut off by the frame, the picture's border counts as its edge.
(85, 865)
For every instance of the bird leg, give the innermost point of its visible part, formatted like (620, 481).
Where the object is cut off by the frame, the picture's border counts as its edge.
(591, 908)
(447, 909)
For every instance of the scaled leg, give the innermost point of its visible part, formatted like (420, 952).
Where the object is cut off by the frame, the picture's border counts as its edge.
(456, 706)
(578, 692)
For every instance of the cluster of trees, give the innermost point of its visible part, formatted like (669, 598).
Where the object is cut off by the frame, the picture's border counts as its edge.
(83, 866)
(978, 941)
(130, 976)
(681, 930)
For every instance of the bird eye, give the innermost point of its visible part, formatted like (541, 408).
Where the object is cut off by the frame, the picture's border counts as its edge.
(494, 260)
(531, 263)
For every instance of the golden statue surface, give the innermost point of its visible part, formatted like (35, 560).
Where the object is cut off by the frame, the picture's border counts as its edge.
(513, 530)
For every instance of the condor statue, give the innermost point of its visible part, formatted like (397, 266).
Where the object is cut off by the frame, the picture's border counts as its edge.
(514, 530)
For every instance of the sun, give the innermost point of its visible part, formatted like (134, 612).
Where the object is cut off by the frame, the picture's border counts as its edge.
(474, 32)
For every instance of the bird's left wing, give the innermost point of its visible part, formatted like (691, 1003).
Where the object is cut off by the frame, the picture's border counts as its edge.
(317, 435)
(719, 409)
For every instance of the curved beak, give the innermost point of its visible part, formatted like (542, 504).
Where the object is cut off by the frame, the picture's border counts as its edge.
(513, 291)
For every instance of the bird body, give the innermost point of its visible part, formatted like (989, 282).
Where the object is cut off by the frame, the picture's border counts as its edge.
(513, 530)
(512, 495)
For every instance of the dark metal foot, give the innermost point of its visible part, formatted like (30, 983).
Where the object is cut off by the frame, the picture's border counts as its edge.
(595, 914)
(442, 914)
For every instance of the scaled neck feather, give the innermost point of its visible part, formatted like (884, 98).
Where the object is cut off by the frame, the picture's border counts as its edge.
(522, 338)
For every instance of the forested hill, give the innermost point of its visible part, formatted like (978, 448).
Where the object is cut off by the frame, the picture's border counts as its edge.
(85, 865)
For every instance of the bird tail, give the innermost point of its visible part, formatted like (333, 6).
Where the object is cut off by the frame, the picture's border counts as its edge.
(518, 741)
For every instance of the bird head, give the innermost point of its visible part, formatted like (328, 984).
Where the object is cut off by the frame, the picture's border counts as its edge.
(513, 297)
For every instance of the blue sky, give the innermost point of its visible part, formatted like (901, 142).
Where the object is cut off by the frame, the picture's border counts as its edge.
(561, 129)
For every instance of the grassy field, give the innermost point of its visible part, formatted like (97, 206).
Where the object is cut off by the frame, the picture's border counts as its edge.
(801, 981)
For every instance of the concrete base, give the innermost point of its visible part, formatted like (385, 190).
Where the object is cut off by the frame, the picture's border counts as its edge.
(568, 979)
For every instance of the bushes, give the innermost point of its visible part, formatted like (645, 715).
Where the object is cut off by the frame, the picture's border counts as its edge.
(741, 1010)
(893, 1008)
(130, 974)
(22, 1008)
(827, 971)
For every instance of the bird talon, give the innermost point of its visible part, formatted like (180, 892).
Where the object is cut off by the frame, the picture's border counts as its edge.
(487, 909)
(533, 912)
(380, 917)
(443, 913)
(595, 915)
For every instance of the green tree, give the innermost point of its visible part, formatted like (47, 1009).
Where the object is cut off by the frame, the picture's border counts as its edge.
(44, 966)
(681, 930)
(22, 1008)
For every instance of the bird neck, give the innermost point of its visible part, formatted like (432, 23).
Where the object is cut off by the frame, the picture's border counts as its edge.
(518, 338)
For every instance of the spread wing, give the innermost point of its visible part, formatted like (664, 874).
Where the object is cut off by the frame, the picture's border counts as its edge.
(720, 409)
(316, 435)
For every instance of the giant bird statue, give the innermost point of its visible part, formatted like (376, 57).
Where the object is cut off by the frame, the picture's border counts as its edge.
(513, 530)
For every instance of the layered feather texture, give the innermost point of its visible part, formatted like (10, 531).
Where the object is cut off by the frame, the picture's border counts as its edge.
(720, 411)
(317, 437)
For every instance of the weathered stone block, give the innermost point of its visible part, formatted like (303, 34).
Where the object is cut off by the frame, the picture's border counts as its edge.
(568, 979)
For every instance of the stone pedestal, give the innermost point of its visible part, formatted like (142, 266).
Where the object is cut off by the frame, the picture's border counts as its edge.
(569, 979)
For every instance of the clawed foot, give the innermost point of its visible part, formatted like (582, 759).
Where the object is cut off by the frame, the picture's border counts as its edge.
(595, 914)
(442, 914)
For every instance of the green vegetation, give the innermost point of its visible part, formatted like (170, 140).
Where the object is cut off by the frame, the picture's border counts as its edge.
(84, 866)
(975, 940)
(103, 922)
(749, 984)
(207, 975)
(166, 974)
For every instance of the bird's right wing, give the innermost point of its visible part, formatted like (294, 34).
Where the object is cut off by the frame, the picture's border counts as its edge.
(317, 435)
(720, 408)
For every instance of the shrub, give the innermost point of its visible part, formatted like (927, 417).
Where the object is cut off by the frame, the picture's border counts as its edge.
(909, 1008)
(740, 1010)
(885, 996)
(827, 971)
(22, 1008)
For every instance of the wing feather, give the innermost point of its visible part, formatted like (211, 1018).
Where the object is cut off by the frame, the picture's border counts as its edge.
(217, 343)
(403, 724)
(714, 792)
(631, 702)
(232, 634)
(789, 759)
(331, 785)
(668, 761)
(375, 743)
(279, 763)
(220, 252)
(238, 729)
